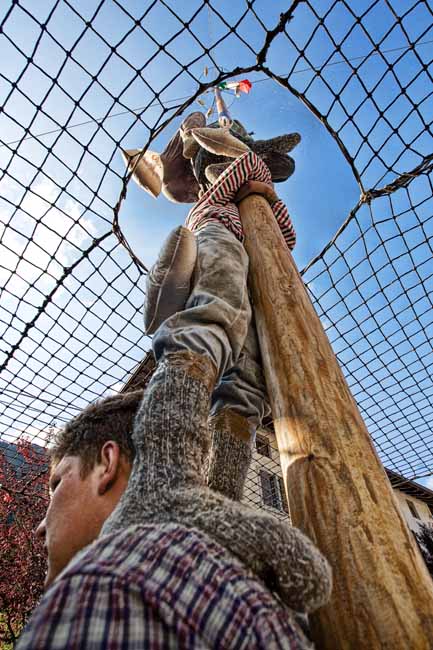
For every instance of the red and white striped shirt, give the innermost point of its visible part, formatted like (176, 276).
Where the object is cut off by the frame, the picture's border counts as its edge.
(217, 203)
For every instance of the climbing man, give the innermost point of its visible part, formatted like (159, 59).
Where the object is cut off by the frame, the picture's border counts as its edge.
(161, 560)
(216, 323)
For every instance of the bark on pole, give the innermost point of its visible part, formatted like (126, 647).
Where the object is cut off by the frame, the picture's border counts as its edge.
(338, 491)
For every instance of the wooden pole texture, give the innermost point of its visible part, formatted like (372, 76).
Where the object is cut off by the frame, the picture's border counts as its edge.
(338, 491)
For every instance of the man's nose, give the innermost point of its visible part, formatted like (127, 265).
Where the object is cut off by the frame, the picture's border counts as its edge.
(41, 530)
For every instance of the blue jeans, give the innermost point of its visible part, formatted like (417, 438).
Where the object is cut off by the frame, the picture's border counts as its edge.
(217, 322)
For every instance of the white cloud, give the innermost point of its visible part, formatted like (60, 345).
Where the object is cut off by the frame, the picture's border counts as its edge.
(429, 483)
(41, 236)
(63, 229)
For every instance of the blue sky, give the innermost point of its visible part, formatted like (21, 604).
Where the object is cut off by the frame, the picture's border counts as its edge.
(372, 288)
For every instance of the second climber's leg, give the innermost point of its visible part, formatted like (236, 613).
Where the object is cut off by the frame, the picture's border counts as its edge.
(239, 404)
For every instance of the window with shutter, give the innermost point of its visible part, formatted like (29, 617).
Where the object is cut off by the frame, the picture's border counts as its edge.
(413, 510)
(284, 504)
(262, 446)
(273, 494)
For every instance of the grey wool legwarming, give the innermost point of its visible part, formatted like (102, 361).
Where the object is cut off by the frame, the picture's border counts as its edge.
(230, 454)
(171, 436)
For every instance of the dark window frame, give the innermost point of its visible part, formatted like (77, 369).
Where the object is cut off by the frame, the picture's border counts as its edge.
(412, 509)
(273, 491)
(263, 446)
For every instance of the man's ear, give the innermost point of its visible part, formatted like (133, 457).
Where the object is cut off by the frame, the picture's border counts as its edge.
(109, 466)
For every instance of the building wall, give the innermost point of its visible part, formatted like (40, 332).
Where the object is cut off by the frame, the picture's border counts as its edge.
(264, 483)
(421, 508)
(257, 487)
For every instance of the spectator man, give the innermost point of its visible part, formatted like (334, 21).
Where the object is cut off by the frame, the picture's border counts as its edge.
(191, 569)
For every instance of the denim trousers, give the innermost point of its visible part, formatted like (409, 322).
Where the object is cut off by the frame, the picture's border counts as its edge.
(217, 322)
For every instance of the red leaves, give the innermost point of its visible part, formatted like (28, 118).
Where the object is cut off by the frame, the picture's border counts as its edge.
(23, 501)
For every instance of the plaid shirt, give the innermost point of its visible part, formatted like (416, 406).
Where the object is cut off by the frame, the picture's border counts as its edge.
(159, 587)
(216, 204)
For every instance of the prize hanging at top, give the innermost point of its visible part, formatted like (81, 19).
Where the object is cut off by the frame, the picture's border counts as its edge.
(243, 86)
(239, 87)
(220, 141)
(148, 167)
(200, 151)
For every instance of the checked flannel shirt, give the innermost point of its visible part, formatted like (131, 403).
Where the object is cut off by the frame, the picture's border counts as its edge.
(216, 204)
(159, 587)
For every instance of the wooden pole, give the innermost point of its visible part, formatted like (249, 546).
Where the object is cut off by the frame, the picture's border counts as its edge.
(338, 491)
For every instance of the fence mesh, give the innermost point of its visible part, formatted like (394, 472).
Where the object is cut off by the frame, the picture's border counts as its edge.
(81, 79)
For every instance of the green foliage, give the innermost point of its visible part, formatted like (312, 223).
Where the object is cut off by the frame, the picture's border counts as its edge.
(23, 501)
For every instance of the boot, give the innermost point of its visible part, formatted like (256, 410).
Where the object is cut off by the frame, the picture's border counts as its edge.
(230, 454)
(214, 171)
(190, 145)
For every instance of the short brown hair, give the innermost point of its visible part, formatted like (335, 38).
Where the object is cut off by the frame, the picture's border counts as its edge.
(111, 418)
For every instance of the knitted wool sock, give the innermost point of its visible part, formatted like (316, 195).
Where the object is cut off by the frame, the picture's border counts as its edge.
(230, 454)
(167, 486)
(171, 437)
